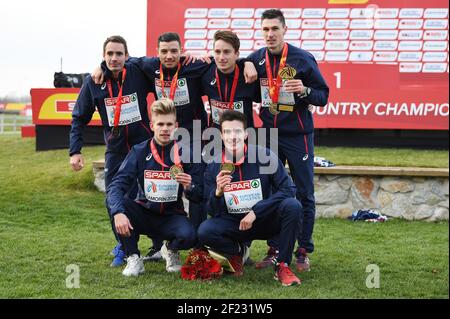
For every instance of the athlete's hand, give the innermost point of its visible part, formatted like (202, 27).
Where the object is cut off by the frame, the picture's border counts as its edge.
(188, 58)
(77, 162)
(294, 86)
(250, 73)
(97, 75)
(122, 224)
(247, 222)
(185, 180)
(222, 180)
(205, 59)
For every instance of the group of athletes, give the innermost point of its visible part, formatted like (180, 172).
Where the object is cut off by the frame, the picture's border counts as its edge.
(151, 176)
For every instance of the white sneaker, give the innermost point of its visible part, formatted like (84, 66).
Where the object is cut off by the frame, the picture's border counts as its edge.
(135, 266)
(173, 263)
(246, 254)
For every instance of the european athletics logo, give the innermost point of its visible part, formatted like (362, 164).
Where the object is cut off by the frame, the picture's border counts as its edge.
(233, 200)
(151, 187)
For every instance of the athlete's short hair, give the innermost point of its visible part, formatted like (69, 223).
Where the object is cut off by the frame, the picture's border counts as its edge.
(115, 39)
(228, 37)
(273, 14)
(232, 115)
(163, 106)
(169, 37)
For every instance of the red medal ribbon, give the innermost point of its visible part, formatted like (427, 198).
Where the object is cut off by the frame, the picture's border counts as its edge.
(176, 154)
(274, 88)
(173, 84)
(224, 160)
(119, 97)
(233, 88)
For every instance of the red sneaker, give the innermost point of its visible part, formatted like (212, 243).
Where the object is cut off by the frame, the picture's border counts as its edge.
(237, 263)
(302, 263)
(285, 275)
(268, 260)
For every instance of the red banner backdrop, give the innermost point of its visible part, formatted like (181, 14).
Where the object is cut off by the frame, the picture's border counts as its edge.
(386, 63)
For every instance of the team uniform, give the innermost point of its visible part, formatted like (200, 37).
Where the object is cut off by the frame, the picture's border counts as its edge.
(295, 124)
(133, 124)
(158, 209)
(228, 92)
(270, 196)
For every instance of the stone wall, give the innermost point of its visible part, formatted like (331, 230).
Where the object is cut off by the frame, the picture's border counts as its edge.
(409, 193)
(408, 197)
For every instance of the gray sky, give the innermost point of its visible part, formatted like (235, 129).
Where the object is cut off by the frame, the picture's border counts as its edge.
(36, 34)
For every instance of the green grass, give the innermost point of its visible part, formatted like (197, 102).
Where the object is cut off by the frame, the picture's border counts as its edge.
(51, 217)
(384, 156)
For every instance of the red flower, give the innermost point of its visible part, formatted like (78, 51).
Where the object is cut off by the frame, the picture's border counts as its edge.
(200, 265)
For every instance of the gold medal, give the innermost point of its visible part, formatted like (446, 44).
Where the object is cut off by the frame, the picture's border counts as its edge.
(227, 167)
(288, 72)
(175, 170)
(273, 108)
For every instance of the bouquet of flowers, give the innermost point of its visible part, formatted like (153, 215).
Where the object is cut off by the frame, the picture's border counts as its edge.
(200, 265)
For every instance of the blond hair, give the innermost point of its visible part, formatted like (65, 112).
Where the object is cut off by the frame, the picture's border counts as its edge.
(163, 106)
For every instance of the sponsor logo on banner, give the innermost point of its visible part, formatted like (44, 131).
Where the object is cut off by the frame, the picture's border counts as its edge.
(244, 34)
(196, 13)
(361, 56)
(338, 24)
(337, 34)
(219, 23)
(313, 34)
(410, 35)
(436, 13)
(195, 23)
(195, 44)
(361, 24)
(362, 35)
(410, 67)
(64, 106)
(245, 53)
(411, 24)
(361, 45)
(294, 43)
(292, 34)
(386, 35)
(362, 13)
(246, 44)
(337, 13)
(219, 13)
(336, 56)
(385, 56)
(195, 34)
(410, 56)
(290, 13)
(386, 24)
(410, 46)
(434, 67)
(242, 23)
(313, 24)
(210, 45)
(435, 45)
(257, 25)
(435, 35)
(411, 13)
(242, 13)
(318, 55)
(386, 13)
(385, 45)
(313, 45)
(258, 34)
(435, 56)
(436, 24)
(211, 33)
(293, 24)
(313, 13)
(259, 44)
(259, 12)
(336, 45)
